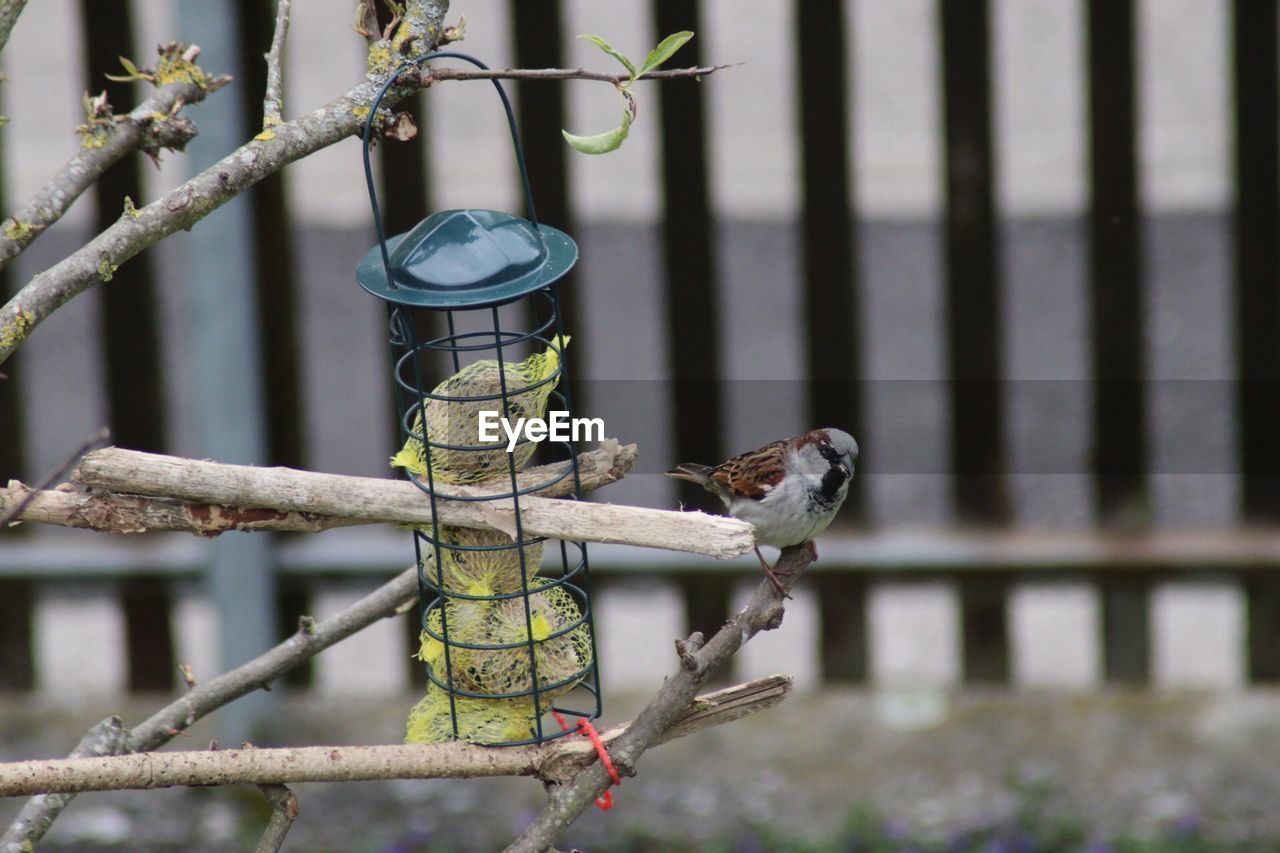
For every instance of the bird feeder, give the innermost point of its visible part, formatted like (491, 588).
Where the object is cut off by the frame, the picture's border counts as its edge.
(507, 636)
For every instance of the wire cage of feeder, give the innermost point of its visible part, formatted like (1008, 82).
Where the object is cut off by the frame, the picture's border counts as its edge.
(507, 633)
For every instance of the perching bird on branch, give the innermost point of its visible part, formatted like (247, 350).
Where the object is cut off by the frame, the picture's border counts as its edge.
(789, 490)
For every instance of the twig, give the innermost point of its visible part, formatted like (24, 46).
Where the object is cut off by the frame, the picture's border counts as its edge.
(763, 612)
(433, 74)
(186, 205)
(399, 502)
(38, 814)
(273, 100)
(555, 762)
(152, 124)
(179, 715)
(284, 811)
(116, 513)
(96, 440)
(9, 12)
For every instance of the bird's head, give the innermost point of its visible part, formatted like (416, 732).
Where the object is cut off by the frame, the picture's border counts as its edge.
(836, 446)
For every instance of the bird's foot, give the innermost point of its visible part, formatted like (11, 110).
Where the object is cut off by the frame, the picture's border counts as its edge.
(773, 575)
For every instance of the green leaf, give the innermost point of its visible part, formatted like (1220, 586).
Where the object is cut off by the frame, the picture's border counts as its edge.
(601, 143)
(665, 50)
(133, 73)
(612, 51)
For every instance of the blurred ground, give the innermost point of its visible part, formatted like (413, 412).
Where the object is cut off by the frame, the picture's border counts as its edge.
(1114, 770)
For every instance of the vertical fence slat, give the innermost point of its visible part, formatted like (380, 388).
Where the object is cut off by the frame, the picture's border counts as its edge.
(984, 630)
(293, 599)
(706, 602)
(279, 338)
(1257, 302)
(147, 603)
(130, 334)
(689, 261)
(1116, 331)
(538, 38)
(833, 358)
(1126, 630)
(692, 334)
(1257, 254)
(842, 609)
(1116, 283)
(17, 650)
(973, 274)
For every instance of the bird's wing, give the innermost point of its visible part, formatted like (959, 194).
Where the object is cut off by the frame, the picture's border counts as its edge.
(753, 474)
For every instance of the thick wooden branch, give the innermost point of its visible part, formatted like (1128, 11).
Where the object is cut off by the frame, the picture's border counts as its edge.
(400, 502)
(115, 513)
(698, 661)
(555, 762)
(153, 124)
(189, 203)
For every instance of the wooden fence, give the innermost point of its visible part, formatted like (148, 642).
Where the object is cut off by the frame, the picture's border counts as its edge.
(984, 549)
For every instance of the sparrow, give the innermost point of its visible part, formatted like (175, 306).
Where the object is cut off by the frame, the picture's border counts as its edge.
(789, 490)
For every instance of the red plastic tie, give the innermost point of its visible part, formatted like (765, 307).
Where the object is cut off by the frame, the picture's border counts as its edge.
(605, 800)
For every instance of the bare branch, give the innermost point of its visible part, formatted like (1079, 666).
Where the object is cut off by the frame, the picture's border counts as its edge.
(116, 513)
(284, 811)
(179, 715)
(763, 612)
(273, 100)
(16, 510)
(152, 125)
(555, 762)
(38, 814)
(435, 74)
(189, 203)
(9, 12)
(400, 502)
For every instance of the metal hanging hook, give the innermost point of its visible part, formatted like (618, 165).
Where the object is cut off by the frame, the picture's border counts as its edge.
(367, 139)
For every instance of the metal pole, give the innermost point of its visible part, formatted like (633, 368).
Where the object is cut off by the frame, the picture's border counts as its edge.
(228, 369)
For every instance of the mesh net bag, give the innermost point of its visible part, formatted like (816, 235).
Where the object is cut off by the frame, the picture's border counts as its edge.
(560, 659)
(483, 721)
(457, 422)
(479, 572)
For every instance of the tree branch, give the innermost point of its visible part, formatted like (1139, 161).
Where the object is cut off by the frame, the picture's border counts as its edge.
(311, 638)
(116, 513)
(698, 661)
(247, 165)
(400, 502)
(11, 510)
(284, 811)
(273, 99)
(9, 12)
(108, 737)
(435, 74)
(153, 125)
(555, 762)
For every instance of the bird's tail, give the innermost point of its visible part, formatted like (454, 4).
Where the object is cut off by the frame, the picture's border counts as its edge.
(691, 471)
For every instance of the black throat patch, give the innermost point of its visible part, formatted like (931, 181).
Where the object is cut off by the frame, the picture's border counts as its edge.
(829, 489)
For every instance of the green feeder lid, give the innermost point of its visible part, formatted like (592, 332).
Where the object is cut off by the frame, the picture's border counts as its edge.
(468, 259)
